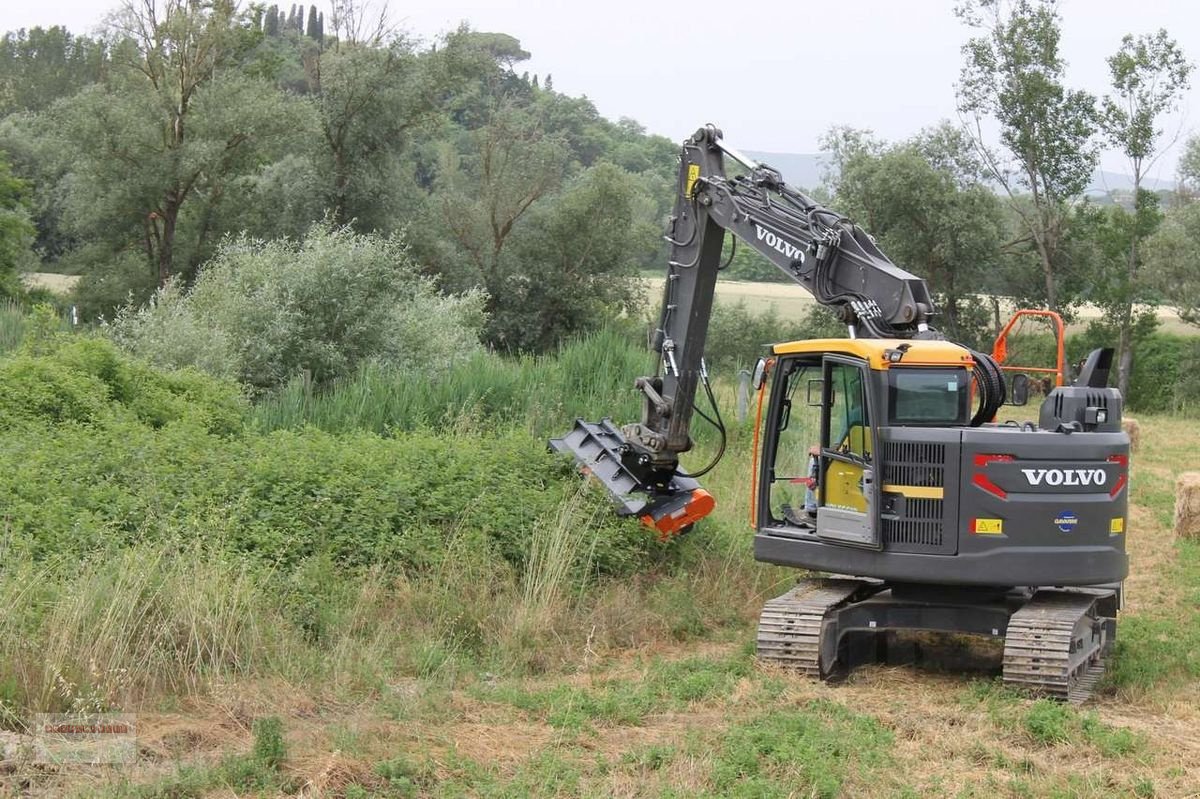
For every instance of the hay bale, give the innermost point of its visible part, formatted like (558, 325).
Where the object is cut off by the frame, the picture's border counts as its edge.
(1133, 430)
(1187, 505)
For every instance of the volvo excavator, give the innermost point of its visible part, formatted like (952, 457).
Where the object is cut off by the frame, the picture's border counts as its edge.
(878, 466)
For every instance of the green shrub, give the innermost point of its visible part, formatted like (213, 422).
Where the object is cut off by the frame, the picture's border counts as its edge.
(269, 747)
(266, 312)
(88, 381)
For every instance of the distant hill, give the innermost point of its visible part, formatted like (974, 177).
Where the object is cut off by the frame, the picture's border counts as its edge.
(806, 171)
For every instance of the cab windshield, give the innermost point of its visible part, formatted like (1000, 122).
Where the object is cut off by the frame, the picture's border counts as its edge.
(928, 396)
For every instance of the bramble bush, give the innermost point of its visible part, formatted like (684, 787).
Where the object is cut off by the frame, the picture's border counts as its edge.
(266, 312)
(77, 381)
(102, 451)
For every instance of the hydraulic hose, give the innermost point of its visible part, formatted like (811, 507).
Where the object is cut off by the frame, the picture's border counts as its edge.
(989, 380)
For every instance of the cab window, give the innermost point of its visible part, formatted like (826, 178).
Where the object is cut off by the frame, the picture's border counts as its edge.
(928, 396)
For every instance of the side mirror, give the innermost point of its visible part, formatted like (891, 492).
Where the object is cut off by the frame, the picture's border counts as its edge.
(1018, 392)
(816, 388)
(760, 374)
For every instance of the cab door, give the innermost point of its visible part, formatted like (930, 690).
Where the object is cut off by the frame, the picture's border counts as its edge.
(848, 478)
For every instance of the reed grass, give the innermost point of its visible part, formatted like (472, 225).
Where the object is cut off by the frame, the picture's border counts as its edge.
(537, 393)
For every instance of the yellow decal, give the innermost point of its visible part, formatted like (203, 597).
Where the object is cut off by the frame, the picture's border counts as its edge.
(915, 492)
(693, 176)
(1117, 525)
(988, 527)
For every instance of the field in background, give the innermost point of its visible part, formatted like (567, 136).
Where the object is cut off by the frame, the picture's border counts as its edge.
(792, 301)
(51, 281)
(788, 300)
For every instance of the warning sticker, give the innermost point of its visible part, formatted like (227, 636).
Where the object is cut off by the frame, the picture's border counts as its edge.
(693, 175)
(1117, 525)
(987, 526)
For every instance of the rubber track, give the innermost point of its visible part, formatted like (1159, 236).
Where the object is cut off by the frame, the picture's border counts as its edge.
(789, 629)
(1037, 647)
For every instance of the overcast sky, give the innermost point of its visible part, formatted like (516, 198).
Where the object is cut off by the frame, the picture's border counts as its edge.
(773, 75)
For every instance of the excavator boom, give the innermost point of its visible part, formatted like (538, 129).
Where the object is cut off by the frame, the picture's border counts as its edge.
(821, 250)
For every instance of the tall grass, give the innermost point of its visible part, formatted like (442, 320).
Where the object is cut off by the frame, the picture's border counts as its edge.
(586, 377)
(121, 630)
(555, 551)
(12, 325)
(104, 633)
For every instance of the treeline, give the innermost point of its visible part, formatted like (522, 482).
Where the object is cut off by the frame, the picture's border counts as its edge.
(129, 159)
(993, 222)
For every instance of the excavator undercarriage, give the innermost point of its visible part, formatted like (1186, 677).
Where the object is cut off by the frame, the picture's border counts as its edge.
(1055, 640)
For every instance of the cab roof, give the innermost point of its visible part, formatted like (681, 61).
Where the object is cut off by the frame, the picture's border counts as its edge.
(874, 351)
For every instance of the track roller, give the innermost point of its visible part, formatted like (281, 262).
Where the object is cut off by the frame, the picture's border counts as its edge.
(791, 627)
(1056, 643)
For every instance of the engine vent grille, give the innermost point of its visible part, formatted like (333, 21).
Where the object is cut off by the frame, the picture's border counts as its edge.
(914, 463)
(921, 524)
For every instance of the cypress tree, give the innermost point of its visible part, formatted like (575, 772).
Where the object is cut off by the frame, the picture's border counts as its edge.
(271, 26)
(313, 32)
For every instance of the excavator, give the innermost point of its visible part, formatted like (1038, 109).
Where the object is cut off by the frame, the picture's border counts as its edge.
(878, 466)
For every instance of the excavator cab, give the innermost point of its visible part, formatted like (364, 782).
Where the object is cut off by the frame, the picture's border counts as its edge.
(821, 470)
(820, 455)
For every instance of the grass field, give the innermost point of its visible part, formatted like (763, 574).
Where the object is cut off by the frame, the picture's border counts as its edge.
(654, 692)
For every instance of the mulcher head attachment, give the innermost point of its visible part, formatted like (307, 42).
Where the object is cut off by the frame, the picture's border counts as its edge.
(600, 451)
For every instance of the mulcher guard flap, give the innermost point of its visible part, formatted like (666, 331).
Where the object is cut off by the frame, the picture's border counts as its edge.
(597, 448)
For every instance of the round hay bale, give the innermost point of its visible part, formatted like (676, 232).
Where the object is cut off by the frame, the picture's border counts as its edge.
(1133, 430)
(1187, 505)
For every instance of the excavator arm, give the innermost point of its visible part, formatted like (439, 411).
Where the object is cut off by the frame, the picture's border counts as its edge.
(831, 257)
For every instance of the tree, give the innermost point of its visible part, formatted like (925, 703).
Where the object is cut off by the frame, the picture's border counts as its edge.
(164, 135)
(1149, 75)
(925, 202)
(16, 230)
(41, 65)
(1171, 255)
(176, 50)
(1188, 168)
(313, 31)
(570, 268)
(1013, 73)
(371, 99)
(506, 168)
